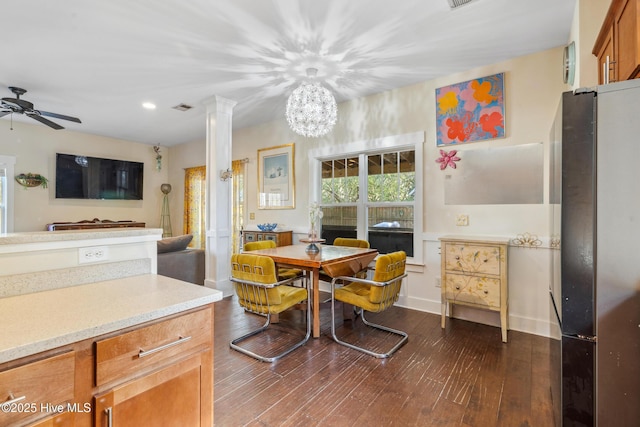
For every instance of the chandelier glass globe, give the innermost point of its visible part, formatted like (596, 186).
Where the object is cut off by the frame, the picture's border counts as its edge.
(311, 110)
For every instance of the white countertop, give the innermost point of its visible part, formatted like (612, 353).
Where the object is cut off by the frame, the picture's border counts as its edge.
(71, 235)
(42, 321)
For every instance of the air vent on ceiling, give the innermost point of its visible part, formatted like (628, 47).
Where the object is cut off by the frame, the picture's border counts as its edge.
(457, 3)
(182, 107)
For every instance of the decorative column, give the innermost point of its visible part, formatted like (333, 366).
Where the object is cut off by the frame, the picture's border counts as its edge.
(218, 204)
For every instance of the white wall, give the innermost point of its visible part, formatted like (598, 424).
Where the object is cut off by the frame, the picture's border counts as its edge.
(35, 147)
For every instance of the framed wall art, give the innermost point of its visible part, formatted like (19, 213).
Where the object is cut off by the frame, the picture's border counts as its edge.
(276, 177)
(470, 111)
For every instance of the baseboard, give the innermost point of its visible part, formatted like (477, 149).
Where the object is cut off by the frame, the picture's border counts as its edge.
(225, 286)
(518, 323)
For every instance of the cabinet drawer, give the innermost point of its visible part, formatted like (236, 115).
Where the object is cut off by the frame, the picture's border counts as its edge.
(249, 237)
(49, 381)
(132, 352)
(477, 290)
(472, 259)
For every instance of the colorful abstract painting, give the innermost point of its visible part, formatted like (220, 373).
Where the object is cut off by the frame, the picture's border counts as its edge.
(470, 111)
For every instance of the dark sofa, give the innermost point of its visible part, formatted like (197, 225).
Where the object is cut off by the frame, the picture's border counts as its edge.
(179, 262)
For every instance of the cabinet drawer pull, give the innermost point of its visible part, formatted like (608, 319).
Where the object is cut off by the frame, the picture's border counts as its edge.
(458, 287)
(486, 292)
(13, 400)
(180, 340)
(109, 413)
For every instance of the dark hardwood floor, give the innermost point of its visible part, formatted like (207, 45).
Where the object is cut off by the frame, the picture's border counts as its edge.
(460, 376)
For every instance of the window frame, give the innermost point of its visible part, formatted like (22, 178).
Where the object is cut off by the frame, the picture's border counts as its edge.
(410, 141)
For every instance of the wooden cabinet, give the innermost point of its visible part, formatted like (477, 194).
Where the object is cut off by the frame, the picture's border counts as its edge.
(618, 44)
(282, 238)
(474, 273)
(161, 374)
(173, 396)
(157, 373)
(36, 390)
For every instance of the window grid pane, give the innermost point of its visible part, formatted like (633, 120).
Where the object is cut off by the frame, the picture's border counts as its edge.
(390, 180)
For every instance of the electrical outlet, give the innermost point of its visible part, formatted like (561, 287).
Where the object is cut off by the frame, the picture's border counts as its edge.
(438, 283)
(93, 254)
(252, 215)
(462, 220)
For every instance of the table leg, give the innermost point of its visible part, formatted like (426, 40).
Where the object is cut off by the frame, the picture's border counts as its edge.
(315, 284)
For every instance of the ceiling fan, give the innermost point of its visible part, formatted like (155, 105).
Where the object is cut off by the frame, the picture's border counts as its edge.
(20, 106)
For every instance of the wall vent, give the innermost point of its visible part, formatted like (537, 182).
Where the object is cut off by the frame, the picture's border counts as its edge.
(453, 4)
(182, 107)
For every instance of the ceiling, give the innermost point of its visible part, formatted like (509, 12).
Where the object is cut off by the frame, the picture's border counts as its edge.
(99, 60)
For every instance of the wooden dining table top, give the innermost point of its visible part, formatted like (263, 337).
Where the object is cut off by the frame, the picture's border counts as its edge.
(334, 260)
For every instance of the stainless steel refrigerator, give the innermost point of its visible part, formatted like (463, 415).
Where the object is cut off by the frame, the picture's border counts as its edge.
(595, 279)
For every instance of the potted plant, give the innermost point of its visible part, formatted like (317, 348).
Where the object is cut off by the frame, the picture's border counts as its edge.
(32, 180)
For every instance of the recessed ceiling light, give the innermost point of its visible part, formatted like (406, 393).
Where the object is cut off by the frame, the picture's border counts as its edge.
(149, 105)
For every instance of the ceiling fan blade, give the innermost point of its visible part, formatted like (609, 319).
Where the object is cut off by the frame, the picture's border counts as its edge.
(59, 116)
(45, 121)
(4, 113)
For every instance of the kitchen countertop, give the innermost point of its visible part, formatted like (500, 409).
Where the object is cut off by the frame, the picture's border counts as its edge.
(71, 235)
(41, 321)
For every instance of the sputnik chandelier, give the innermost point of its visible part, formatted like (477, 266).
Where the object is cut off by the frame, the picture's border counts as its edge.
(311, 108)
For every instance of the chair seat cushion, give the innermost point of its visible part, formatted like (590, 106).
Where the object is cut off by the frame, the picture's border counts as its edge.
(357, 294)
(289, 296)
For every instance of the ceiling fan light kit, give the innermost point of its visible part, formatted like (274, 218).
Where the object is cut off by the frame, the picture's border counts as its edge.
(311, 109)
(21, 106)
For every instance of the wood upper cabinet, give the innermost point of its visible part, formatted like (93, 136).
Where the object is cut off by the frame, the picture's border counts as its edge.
(618, 44)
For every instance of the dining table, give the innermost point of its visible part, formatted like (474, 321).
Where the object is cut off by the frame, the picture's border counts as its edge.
(334, 261)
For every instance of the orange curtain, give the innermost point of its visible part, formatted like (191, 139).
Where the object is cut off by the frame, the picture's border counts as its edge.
(195, 185)
(237, 203)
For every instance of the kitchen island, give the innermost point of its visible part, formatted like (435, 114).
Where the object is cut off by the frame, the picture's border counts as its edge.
(133, 350)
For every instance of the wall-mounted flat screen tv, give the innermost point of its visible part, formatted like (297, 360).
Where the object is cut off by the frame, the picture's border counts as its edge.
(83, 177)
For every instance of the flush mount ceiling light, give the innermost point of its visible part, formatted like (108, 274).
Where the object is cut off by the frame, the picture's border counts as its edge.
(311, 108)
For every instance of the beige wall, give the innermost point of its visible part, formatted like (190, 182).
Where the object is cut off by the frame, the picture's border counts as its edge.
(35, 147)
(533, 85)
(587, 20)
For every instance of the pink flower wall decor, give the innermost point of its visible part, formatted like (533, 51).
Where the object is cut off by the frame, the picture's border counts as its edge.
(448, 159)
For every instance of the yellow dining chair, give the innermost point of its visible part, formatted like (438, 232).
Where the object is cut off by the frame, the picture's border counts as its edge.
(260, 292)
(349, 313)
(283, 273)
(354, 243)
(374, 296)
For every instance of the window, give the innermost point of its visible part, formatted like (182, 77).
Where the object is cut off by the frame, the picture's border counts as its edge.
(6, 194)
(238, 202)
(195, 184)
(374, 194)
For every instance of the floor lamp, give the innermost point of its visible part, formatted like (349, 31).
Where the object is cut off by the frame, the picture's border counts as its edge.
(165, 218)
